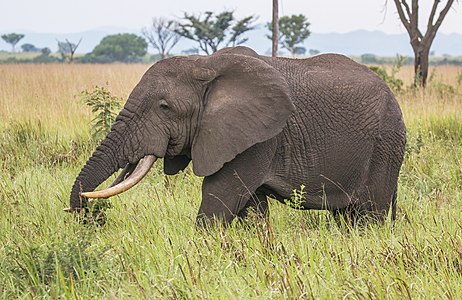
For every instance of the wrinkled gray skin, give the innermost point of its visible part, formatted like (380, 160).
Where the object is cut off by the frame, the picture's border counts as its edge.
(257, 126)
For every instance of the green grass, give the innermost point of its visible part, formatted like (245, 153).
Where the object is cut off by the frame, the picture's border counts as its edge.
(149, 247)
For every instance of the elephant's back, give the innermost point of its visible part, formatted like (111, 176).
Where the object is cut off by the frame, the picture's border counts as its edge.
(341, 110)
(335, 91)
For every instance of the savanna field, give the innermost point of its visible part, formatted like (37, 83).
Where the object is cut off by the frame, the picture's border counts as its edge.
(149, 247)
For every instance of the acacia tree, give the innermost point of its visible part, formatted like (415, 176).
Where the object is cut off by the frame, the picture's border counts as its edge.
(29, 48)
(162, 35)
(12, 39)
(67, 49)
(293, 30)
(211, 31)
(421, 43)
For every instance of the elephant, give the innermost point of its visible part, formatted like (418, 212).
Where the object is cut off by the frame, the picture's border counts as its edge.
(258, 127)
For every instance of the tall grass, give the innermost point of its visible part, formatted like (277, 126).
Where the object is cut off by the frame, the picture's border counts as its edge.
(149, 247)
(50, 93)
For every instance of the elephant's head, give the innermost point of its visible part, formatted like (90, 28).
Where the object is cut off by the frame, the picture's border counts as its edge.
(207, 109)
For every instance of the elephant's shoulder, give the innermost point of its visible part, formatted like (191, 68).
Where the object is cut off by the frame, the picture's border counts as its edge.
(334, 61)
(342, 69)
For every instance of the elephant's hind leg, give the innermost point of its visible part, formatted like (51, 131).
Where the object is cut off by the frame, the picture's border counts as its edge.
(377, 197)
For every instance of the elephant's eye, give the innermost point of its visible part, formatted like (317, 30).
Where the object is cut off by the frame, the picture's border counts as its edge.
(164, 105)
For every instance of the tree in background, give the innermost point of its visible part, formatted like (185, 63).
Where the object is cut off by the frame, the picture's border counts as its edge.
(420, 43)
(369, 58)
(314, 52)
(12, 39)
(29, 48)
(67, 50)
(211, 31)
(293, 30)
(299, 50)
(45, 51)
(45, 57)
(122, 47)
(162, 35)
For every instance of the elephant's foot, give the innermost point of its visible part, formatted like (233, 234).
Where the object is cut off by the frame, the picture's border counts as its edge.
(256, 206)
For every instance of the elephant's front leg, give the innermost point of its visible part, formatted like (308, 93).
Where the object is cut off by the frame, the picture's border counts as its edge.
(226, 193)
(258, 204)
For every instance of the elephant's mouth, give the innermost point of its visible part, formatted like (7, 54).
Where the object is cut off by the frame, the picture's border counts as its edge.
(130, 176)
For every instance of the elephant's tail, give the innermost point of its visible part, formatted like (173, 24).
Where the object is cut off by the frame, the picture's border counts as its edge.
(393, 205)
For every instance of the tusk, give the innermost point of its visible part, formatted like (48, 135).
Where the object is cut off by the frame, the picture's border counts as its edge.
(126, 172)
(141, 170)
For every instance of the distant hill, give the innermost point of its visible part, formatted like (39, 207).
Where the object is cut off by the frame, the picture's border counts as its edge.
(350, 43)
(381, 44)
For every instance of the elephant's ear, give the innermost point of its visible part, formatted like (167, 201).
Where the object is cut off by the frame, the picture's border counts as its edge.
(175, 164)
(247, 102)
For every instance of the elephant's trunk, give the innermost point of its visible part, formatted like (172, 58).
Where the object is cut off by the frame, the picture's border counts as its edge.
(104, 162)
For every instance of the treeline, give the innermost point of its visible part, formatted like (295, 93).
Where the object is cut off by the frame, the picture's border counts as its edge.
(210, 31)
(372, 59)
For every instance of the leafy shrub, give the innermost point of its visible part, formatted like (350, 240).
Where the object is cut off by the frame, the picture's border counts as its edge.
(442, 89)
(395, 84)
(105, 106)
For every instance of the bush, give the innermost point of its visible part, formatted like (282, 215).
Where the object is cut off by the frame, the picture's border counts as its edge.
(90, 58)
(105, 106)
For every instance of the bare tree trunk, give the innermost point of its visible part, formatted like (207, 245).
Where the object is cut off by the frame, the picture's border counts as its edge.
(72, 48)
(424, 63)
(275, 39)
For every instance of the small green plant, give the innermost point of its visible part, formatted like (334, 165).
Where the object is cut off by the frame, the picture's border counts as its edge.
(395, 84)
(297, 198)
(105, 106)
(414, 142)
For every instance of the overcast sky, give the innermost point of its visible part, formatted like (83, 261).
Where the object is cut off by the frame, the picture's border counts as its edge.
(64, 16)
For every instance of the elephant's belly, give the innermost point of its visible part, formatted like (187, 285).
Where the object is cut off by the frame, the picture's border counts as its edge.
(331, 168)
(316, 195)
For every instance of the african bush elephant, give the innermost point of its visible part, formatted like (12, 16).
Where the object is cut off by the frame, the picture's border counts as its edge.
(258, 127)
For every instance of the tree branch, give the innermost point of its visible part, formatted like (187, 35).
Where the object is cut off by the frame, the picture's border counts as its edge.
(415, 21)
(402, 16)
(432, 15)
(408, 10)
(443, 14)
(431, 32)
